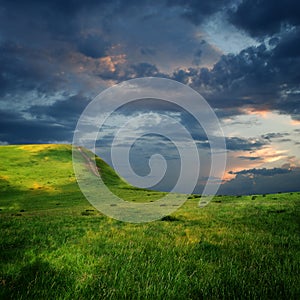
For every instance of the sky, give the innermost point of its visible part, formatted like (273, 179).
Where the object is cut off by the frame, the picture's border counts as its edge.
(242, 56)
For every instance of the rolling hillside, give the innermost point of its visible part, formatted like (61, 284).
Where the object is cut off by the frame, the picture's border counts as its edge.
(55, 245)
(45, 173)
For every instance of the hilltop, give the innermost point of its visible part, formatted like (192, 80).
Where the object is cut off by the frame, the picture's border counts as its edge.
(46, 172)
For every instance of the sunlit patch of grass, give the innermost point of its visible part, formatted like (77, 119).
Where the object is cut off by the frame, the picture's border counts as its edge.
(38, 186)
(41, 147)
(4, 177)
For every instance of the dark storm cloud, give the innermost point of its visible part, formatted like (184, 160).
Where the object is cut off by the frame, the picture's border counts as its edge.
(93, 47)
(223, 83)
(263, 181)
(59, 25)
(88, 25)
(234, 77)
(67, 111)
(274, 135)
(184, 76)
(46, 11)
(196, 11)
(29, 76)
(23, 69)
(142, 70)
(40, 43)
(261, 77)
(66, 7)
(241, 144)
(251, 158)
(288, 45)
(262, 172)
(15, 129)
(284, 140)
(253, 78)
(27, 20)
(266, 17)
(232, 144)
(258, 77)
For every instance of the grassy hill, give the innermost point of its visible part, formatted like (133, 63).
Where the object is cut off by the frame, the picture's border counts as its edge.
(55, 245)
(41, 177)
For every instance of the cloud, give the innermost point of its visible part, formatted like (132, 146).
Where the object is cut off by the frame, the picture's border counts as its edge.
(288, 45)
(274, 135)
(260, 18)
(68, 38)
(66, 111)
(196, 11)
(93, 46)
(261, 181)
(142, 70)
(15, 129)
(67, 7)
(47, 20)
(262, 172)
(251, 158)
(48, 59)
(25, 69)
(254, 78)
(285, 140)
(238, 144)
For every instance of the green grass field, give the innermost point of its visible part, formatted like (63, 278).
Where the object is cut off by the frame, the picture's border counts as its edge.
(55, 245)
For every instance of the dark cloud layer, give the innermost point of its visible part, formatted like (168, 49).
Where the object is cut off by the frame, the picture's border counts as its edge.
(251, 158)
(257, 77)
(66, 111)
(196, 11)
(274, 135)
(262, 172)
(239, 144)
(266, 17)
(263, 181)
(36, 33)
(262, 77)
(15, 129)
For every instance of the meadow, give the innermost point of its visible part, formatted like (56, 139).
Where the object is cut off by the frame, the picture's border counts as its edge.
(55, 245)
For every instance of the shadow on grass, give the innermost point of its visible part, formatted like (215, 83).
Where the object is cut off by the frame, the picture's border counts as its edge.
(37, 280)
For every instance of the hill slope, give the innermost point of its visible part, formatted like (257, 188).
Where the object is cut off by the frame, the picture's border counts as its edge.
(46, 172)
(44, 167)
(55, 245)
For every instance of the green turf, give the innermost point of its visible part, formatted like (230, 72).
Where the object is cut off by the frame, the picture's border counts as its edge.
(55, 245)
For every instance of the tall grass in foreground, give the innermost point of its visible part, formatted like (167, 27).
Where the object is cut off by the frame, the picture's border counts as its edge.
(235, 249)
